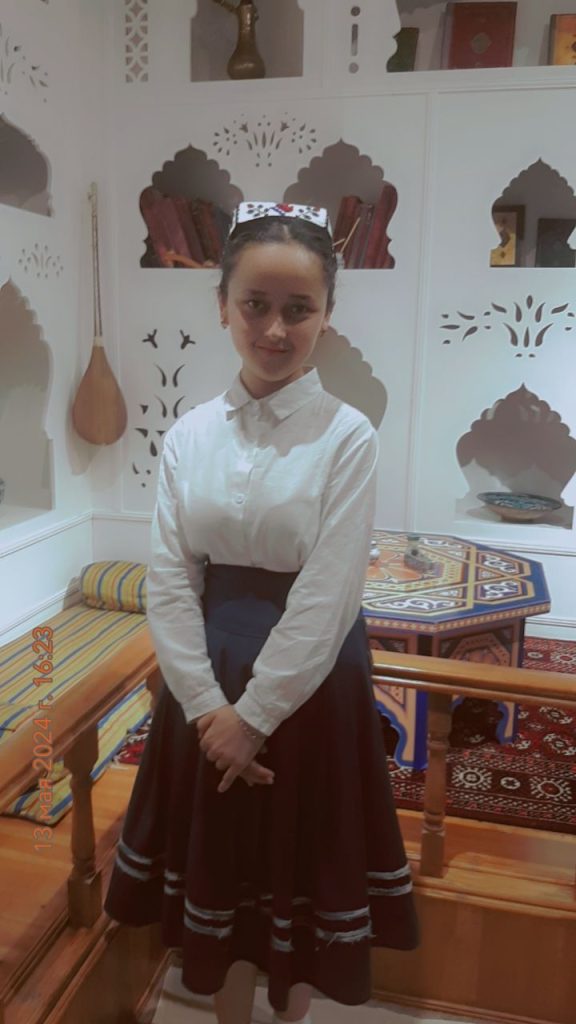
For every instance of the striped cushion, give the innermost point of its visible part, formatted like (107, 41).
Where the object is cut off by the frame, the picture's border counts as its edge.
(118, 586)
(81, 637)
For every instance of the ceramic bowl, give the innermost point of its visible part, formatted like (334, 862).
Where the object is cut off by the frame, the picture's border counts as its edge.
(519, 508)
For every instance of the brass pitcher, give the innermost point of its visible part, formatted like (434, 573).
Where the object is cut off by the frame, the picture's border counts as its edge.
(245, 62)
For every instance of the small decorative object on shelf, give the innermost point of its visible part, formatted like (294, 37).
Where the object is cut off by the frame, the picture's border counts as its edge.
(99, 410)
(519, 508)
(562, 39)
(405, 57)
(245, 62)
(479, 35)
(509, 222)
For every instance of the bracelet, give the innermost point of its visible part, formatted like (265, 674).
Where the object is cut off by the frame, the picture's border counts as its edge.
(252, 733)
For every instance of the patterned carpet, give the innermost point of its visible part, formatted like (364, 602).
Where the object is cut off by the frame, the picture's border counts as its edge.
(530, 782)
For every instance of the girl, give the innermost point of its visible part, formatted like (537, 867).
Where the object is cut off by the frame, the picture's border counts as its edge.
(261, 830)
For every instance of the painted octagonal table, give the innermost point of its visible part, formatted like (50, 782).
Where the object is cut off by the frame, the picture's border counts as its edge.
(449, 598)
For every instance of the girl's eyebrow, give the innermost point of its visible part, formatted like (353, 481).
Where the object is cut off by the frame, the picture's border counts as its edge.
(293, 295)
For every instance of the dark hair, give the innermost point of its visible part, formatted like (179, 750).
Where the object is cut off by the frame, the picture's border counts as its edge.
(280, 229)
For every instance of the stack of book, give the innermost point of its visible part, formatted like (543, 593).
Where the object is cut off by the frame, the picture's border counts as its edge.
(360, 233)
(183, 232)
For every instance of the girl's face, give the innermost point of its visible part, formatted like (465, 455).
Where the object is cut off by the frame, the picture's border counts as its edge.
(276, 309)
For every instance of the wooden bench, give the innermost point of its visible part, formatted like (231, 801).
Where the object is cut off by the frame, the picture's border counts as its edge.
(38, 668)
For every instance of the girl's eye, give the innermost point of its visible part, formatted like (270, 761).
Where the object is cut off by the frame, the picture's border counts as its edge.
(255, 304)
(298, 310)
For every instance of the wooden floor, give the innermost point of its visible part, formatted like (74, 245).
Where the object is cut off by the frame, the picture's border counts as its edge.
(33, 882)
(485, 865)
(527, 866)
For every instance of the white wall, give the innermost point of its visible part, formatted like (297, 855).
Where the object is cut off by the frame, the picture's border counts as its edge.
(449, 142)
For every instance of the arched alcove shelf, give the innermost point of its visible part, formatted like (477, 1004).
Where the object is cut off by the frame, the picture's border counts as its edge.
(535, 219)
(345, 374)
(520, 444)
(24, 171)
(531, 35)
(187, 211)
(279, 38)
(358, 198)
(26, 466)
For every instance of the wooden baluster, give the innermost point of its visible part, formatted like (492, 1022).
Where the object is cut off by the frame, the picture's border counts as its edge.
(433, 832)
(84, 882)
(154, 683)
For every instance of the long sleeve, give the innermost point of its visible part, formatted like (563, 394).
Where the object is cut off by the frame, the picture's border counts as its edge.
(175, 584)
(326, 597)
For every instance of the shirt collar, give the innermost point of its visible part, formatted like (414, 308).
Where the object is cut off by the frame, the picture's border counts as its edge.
(282, 402)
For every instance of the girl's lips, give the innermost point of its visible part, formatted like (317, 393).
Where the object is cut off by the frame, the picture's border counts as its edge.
(274, 351)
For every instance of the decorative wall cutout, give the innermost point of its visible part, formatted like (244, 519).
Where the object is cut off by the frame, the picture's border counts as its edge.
(354, 64)
(25, 374)
(165, 409)
(15, 67)
(345, 374)
(279, 35)
(136, 40)
(540, 193)
(193, 175)
(340, 170)
(527, 323)
(40, 262)
(24, 171)
(265, 138)
(522, 445)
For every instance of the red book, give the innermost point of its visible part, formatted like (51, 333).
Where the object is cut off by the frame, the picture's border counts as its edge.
(163, 225)
(360, 236)
(377, 254)
(348, 213)
(182, 207)
(205, 221)
(479, 35)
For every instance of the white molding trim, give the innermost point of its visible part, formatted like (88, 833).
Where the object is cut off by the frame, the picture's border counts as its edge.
(124, 517)
(57, 602)
(19, 543)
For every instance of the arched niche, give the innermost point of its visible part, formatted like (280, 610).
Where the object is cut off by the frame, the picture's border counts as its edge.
(346, 375)
(341, 170)
(25, 450)
(520, 444)
(279, 38)
(188, 177)
(535, 220)
(24, 171)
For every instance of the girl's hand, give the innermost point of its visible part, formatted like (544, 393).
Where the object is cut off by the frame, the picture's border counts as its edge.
(225, 742)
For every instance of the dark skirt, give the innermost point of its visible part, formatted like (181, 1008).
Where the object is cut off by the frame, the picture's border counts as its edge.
(302, 877)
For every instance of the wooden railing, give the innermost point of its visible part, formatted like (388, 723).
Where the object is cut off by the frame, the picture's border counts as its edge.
(73, 735)
(443, 678)
(74, 718)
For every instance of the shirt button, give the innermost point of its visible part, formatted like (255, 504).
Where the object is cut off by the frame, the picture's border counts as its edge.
(239, 499)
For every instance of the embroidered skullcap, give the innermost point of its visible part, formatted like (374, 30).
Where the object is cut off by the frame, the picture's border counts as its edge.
(254, 211)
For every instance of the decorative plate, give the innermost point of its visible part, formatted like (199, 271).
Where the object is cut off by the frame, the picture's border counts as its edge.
(520, 508)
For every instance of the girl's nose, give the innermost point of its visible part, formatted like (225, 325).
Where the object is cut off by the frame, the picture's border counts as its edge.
(276, 328)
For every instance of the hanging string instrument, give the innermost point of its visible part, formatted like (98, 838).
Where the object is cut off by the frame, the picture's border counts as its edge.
(99, 411)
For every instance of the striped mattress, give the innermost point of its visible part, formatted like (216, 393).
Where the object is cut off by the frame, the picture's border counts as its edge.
(82, 635)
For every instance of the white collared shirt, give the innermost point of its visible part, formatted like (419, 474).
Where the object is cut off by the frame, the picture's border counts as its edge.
(288, 483)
